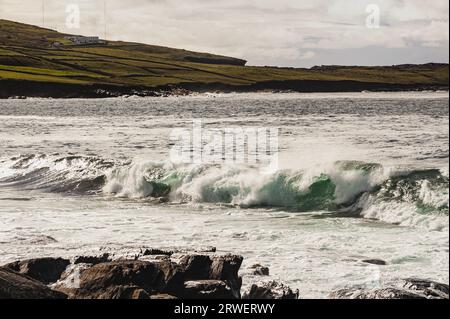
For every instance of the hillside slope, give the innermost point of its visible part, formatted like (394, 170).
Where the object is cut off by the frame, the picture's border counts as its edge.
(42, 62)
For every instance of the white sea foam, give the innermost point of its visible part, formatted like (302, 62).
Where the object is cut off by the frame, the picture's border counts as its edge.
(314, 251)
(354, 185)
(326, 187)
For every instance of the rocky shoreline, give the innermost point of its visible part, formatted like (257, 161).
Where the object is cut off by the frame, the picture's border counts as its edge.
(15, 89)
(162, 274)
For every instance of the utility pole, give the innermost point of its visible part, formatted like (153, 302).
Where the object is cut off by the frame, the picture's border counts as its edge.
(43, 13)
(105, 21)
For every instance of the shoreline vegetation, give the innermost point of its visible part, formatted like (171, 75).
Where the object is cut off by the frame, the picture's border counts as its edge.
(38, 62)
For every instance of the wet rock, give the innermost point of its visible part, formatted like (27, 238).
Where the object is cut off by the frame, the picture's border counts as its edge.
(94, 260)
(121, 292)
(384, 293)
(208, 289)
(136, 293)
(270, 290)
(196, 267)
(226, 268)
(123, 279)
(45, 270)
(153, 258)
(153, 251)
(17, 286)
(428, 288)
(206, 267)
(70, 278)
(378, 262)
(174, 277)
(114, 279)
(259, 270)
(156, 277)
(410, 288)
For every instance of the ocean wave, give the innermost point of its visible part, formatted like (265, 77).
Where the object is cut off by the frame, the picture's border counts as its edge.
(400, 196)
(55, 173)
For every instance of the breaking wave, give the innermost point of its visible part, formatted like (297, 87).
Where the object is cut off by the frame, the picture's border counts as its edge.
(399, 196)
(54, 173)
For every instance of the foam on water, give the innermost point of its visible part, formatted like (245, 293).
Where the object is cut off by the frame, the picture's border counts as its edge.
(91, 170)
(393, 195)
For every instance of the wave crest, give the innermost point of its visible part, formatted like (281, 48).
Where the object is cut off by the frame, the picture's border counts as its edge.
(406, 197)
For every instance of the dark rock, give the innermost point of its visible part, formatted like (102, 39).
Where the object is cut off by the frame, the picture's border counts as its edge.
(384, 293)
(226, 268)
(70, 278)
(17, 286)
(126, 279)
(205, 267)
(174, 277)
(375, 262)
(196, 267)
(45, 270)
(97, 277)
(207, 289)
(161, 257)
(259, 270)
(152, 251)
(121, 292)
(428, 288)
(270, 290)
(115, 279)
(94, 260)
(405, 289)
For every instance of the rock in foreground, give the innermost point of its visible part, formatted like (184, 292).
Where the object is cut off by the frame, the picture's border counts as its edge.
(428, 288)
(130, 279)
(207, 289)
(17, 286)
(410, 288)
(259, 270)
(45, 270)
(193, 277)
(270, 290)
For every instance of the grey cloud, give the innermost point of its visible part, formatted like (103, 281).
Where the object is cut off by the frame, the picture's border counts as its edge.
(267, 32)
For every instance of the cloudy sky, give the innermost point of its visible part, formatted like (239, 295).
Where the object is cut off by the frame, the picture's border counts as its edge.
(264, 32)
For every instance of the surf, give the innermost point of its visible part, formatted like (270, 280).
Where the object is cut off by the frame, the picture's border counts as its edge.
(370, 190)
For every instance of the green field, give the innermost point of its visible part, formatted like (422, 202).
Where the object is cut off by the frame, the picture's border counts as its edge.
(29, 53)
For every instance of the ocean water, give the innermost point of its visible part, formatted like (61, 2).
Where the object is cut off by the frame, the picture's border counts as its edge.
(359, 176)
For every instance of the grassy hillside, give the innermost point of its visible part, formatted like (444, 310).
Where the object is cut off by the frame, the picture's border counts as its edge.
(29, 54)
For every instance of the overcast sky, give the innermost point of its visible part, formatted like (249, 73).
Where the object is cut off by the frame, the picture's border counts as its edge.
(264, 32)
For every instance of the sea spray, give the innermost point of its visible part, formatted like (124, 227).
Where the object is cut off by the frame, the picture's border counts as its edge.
(395, 195)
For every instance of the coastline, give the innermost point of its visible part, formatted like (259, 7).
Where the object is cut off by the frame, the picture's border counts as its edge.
(16, 88)
(167, 275)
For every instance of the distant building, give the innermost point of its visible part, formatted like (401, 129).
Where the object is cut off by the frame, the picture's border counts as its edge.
(85, 40)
